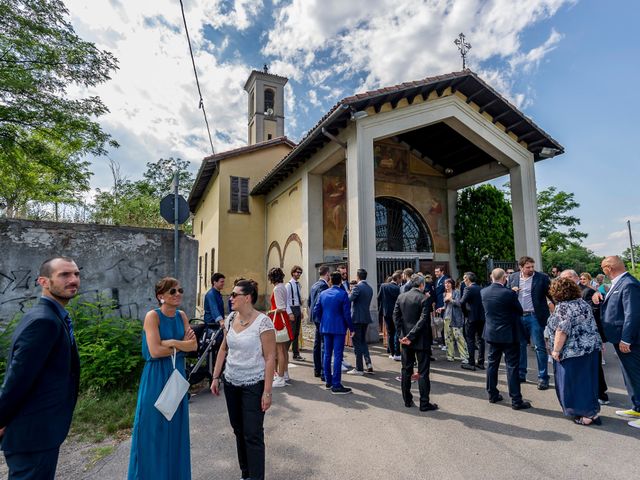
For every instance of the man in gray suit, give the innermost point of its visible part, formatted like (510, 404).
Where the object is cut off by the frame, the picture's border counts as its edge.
(413, 324)
(360, 297)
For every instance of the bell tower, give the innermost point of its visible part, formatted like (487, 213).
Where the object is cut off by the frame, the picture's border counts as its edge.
(266, 105)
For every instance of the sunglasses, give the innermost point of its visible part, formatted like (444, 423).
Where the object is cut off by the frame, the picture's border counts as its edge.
(173, 291)
(236, 294)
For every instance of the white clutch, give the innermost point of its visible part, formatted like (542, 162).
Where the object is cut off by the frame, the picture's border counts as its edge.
(173, 392)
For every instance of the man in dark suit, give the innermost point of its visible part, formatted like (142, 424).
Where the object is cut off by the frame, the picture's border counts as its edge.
(213, 303)
(360, 298)
(387, 301)
(587, 295)
(316, 289)
(411, 316)
(344, 284)
(334, 311)
(502, 333)
(533, 291)
(471, 302)
(621, 322)
(41, 383)
(439, 286)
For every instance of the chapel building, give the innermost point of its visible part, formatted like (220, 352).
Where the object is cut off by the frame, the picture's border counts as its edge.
(373, 184)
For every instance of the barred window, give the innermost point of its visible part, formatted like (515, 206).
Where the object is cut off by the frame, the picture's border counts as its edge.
(239, 195)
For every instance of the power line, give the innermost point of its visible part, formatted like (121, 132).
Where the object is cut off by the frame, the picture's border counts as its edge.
(193, 62)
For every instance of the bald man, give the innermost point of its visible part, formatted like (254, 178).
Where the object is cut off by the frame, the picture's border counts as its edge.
(621, 323)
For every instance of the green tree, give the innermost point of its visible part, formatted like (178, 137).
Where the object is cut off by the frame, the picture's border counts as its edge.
(483, 228)
(137, 203)
(557, 226)
(575, 257)
(43, 132)
(626, 255)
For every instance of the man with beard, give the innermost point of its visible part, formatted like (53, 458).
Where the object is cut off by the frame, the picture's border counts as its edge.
(41, 383)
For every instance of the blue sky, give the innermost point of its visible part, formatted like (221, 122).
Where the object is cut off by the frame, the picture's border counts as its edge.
(570, 65)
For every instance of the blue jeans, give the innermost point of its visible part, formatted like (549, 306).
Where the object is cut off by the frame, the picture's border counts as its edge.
(532, 329)
(333, 345)
(360, 345)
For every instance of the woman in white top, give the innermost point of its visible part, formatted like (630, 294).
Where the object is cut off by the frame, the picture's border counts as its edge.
(278, 314)
(249, 346)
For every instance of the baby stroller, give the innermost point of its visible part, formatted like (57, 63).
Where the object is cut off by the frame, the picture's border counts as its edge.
(200, 363)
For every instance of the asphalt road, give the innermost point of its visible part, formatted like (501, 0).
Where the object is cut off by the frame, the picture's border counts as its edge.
(369, 435)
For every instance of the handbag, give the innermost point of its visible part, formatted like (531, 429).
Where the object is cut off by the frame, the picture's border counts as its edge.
(173, 392)
(282, 336)
(438, 321)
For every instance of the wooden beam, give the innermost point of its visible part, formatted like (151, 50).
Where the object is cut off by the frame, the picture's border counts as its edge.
(474, 95)
(501, 115)
(526, 135)
(537, 142)
(514, 125)
(486, 105)
(457, 84)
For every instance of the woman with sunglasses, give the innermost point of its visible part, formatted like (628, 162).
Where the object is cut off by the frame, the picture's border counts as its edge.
(160, 448)
(249, 347)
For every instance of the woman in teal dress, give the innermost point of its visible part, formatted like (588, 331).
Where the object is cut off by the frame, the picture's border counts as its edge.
(160, 448)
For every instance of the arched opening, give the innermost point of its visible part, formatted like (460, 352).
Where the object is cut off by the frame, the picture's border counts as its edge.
(400, 228)
(269, 96)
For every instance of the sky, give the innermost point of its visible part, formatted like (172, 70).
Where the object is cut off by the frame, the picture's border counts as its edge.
(570, 65)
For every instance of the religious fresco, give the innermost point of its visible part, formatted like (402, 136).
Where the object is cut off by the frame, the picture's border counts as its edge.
(334, 203)
(398, 174)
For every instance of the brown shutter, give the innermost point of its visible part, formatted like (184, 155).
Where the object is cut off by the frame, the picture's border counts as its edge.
(235, 190)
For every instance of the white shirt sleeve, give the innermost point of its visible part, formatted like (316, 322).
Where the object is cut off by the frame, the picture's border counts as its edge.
(280, 294)
(289, 289)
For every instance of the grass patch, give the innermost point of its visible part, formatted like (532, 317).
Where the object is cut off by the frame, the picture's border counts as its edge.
(99, 415)
(97, 454)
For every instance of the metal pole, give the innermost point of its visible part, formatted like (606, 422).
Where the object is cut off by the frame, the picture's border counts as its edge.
(633, 256)
(175, 225)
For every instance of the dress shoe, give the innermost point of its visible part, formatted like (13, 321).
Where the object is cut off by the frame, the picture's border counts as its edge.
(369, 369)
(521, 406)
(298, 357)
(496, 399)
(522, 380)
(316, 374)
(480, 365)
(432, 359)
(409, 404)
(466, 366)
(543, 385)
(428, 407)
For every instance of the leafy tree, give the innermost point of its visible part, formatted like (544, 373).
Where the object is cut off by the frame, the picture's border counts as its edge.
(576, 257)
(44, 132)
(626, 255)
(483, 228)
(137, 203)
(557, 226)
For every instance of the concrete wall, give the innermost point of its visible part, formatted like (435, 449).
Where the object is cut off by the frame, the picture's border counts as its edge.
(123, 263)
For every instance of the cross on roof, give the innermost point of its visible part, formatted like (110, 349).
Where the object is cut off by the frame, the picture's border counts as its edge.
(464, 48)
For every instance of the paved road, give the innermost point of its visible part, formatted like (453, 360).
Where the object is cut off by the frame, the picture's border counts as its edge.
(370, 435)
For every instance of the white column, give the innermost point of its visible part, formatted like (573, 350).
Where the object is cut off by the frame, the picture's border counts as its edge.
(312, 244)
(361, 215)
(525, 211)
(452, 206)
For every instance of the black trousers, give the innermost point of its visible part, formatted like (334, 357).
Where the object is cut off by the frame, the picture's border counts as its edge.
(244, 405)
(32, 465)
(409, 356)
(295, 329)
(317, 351)
(512, 360)
(602, 383)
(473, 333)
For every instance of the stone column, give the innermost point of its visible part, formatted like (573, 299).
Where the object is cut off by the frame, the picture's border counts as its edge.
(525, 211)
(361, 215)
(312, 245)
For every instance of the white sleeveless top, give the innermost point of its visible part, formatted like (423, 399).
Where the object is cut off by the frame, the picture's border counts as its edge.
(245, 360)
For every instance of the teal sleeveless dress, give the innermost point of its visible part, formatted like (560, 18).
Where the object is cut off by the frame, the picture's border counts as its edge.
(159, 448)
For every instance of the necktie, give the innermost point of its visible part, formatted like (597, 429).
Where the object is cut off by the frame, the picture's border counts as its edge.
(298, 292)
(67, 320)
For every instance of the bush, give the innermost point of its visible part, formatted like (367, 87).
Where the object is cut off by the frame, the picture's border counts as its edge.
(109, 345)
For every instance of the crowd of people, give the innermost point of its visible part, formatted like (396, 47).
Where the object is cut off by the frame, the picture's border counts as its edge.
(566, 318)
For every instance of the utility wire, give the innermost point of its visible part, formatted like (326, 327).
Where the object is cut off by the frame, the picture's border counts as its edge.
(201, 102)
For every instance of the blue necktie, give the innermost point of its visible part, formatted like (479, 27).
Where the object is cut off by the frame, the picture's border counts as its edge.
(67, 319)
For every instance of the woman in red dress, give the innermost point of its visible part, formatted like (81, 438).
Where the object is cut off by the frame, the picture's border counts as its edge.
(278, 314)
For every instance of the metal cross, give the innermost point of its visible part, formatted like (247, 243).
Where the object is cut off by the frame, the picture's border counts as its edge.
(464, 48)
(266, 68)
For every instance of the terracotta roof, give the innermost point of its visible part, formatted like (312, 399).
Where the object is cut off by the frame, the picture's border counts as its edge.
(209, 165)
(465, 81)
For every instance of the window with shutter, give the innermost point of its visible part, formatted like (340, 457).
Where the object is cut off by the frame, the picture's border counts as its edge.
(239, 195)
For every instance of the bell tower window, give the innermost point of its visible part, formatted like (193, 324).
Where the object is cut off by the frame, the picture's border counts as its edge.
(269, 96)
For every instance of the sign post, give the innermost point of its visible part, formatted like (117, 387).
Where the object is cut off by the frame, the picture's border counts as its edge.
(174, 209)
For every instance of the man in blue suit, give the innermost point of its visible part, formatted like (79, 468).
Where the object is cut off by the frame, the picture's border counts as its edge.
(334, 311)
(360, 298)
(316, 289)
(41, 383)
(621, 322)
(502, 333)
(387, 301)
(533, 291)
(213, 303)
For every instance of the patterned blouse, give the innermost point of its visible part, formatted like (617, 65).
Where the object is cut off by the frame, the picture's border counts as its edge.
(575, 318)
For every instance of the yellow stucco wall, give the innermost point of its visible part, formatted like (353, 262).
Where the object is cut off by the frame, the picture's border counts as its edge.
(238, 238)
(284, 231)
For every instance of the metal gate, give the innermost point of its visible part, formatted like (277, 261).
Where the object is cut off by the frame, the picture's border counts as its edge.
(385, 266)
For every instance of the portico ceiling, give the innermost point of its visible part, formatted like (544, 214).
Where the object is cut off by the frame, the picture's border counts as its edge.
(441, 145)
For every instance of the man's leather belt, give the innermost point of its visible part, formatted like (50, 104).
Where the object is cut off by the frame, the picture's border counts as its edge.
(527, 314)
